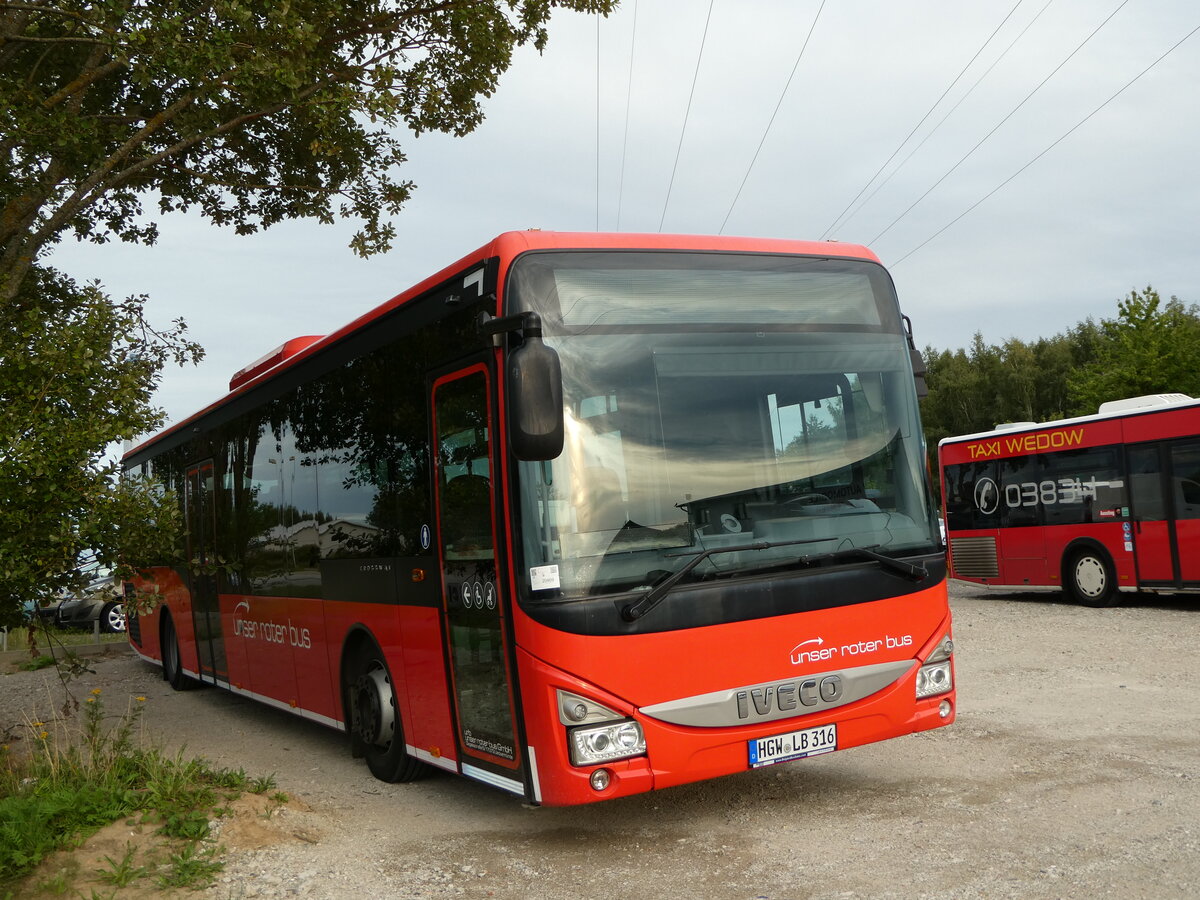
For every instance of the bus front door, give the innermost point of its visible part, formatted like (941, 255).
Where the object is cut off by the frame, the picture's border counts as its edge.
(1165, 490)
(473, 600)
(199, 502)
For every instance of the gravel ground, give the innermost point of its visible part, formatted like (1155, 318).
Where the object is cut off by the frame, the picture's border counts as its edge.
(1073, 771)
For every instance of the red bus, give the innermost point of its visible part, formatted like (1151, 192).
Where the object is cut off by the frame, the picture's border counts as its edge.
(579, 516)
(1094, 505)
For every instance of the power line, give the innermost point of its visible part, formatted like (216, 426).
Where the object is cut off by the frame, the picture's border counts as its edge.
(686, 114)
(628, 100)
(834, 224)
(767, 131)
(597, 123)
(1000, 124)
(978, 81)
(1067, 134)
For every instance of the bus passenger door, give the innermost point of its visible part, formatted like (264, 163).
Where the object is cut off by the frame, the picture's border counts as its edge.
(1185, 503)
(1165, 491)
(200, 507)
(464, 460)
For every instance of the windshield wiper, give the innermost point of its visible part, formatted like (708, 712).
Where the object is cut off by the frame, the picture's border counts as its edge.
(888, 563)
(634, 611)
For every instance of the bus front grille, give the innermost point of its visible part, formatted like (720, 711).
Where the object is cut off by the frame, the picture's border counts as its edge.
(974, 557)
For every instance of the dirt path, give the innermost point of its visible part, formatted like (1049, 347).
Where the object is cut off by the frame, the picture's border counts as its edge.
(1073, 771)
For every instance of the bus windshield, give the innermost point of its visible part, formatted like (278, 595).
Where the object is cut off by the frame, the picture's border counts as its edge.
(718, 401)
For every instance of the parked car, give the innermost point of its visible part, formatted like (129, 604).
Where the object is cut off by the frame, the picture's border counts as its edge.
(101, 601)
(81, 612)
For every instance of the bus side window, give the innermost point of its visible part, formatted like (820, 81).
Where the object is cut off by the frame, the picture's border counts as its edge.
(973, 498)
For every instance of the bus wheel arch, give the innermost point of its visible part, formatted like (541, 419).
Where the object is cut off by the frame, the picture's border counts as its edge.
(371, 712)
(1088, 575)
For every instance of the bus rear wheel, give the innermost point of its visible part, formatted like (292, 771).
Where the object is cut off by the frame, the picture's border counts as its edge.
(1090, 579)
(171, 661)
(374, 721)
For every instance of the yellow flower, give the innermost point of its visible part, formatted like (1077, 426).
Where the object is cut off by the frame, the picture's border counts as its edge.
(140, 699)
(44, 735)
(96, 692)
(91, 699)
(37, 724)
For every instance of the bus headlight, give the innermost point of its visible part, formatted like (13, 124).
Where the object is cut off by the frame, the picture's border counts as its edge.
(602, 743)
(934, 679)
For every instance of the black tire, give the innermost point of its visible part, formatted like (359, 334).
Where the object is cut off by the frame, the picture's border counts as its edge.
(112, 618)
(172, 666)
(373, 720)
(1089, 578)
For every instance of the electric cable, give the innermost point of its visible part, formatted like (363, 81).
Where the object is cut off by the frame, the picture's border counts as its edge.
(834, 224)
(774, 113)
(1000, 124)
(952, 110)
(628, 102)
(1067, 134)
(686, 114)
(597, 123)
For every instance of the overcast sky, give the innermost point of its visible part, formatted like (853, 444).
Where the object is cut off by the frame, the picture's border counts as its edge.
(1110, 207)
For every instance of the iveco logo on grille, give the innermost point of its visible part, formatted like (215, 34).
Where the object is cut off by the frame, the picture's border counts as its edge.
(788, 695)
(770, 700)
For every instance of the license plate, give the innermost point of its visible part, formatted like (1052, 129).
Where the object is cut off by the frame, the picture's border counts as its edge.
(793, 745)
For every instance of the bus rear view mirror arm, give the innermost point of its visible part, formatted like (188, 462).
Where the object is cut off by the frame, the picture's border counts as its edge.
(918, 361)
(533, 377)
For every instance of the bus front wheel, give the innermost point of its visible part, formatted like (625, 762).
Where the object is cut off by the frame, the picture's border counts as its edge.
(374, 722)
(1090, 578)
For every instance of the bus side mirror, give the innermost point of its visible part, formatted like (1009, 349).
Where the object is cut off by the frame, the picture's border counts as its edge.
(533, 379)
(535, 407)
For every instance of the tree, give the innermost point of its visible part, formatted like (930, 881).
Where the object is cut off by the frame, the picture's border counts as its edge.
(250, 113)
(67, 392)
(1150, 348)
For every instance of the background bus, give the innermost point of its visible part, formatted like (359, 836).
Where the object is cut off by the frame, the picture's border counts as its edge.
(1095, 505)
(579, 516)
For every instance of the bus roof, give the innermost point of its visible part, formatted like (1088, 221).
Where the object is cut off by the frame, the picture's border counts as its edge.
(1113, 409)
(507, 245)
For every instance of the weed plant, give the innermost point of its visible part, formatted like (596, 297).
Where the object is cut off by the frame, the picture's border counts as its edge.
(82, 774)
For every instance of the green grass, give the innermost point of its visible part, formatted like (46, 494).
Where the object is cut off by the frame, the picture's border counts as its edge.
(18, 638)
(35, 663)
(76, 778)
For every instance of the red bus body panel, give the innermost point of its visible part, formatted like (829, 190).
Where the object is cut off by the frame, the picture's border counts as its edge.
(630, 672)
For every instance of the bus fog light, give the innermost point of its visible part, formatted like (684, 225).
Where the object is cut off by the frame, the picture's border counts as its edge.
(601, 743)
(601, 779)
(934, 679)
(945, 708)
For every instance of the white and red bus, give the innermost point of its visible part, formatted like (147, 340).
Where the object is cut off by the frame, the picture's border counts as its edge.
(581, 515)
(1094, 505)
